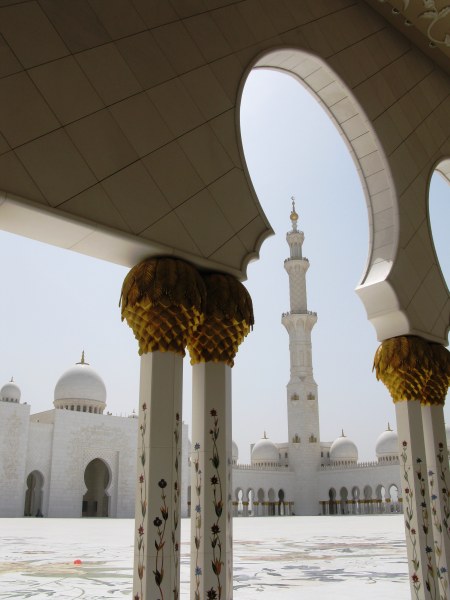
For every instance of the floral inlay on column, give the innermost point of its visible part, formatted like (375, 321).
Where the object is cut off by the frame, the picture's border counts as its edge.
(216, 542)
(176, 497)
(442, 458)
(409, 519)
(160, 541)
(143, 501)
(430, 579)
(198, 518)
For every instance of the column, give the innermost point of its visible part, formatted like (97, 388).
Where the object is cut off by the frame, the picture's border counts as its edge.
(211, 523)
(228, 318)
(433, 399)
(157, 513)
(409, 367)
(162, 301)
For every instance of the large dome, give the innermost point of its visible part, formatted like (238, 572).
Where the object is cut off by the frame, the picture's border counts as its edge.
(265, 452)
(10, 392)
(343, 450)
(387, 445)
(79, 388)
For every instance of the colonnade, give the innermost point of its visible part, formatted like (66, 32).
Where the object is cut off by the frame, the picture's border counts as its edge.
(264, 509)
(170, 306)
(372, 506)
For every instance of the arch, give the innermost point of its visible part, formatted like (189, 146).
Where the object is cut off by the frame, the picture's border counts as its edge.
(393, 492)
(343, 495)
(250, 499)
(368, 503)
(271, 497)
(395, 505)
(356, 495)
(34, 495)
(373, 168)
(239, 496)
(97, 478)
(281, 496)
(438, 218)
(332, 501)
(380, 494)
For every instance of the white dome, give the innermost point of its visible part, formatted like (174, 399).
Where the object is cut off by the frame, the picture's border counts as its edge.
(265, 451)
(234, 452)
(343, 450)
(80, 383)
(387, 444)
(10, 392)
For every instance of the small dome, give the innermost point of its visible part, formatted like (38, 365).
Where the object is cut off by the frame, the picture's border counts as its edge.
(10, 392)
(264, 452)
(343, 450)
(80, 386)
(387, 444)
(234, 452)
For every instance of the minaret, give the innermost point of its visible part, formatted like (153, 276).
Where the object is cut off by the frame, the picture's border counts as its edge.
(302, 401)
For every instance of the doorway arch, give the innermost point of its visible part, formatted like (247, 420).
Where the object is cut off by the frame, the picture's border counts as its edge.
(97, 478)
(34, 495)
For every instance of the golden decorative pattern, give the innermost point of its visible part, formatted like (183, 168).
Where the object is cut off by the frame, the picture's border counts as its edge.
(163, 302)
(413, 369)
(228, 319)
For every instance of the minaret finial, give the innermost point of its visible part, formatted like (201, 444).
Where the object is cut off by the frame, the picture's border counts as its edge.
(294, 215)
(82, 360)
(342, 433)
(265, 436)
(389, 427)
(12, 380)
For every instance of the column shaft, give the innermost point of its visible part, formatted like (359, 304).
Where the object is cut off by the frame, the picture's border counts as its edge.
(439, 481)
(416, 499)
(211, 522)
(157, 536)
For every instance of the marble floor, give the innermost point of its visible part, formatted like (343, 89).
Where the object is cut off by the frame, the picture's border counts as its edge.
(275, 558)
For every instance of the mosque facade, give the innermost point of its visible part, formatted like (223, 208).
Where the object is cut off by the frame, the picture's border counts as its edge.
(77, 460)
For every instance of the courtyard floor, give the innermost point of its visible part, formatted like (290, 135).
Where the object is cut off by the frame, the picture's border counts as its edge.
(275, 558)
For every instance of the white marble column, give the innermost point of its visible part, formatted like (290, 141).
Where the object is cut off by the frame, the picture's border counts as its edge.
(211, 523)
(439, 487)
(162, 300)
(157, 523)
(423, 580)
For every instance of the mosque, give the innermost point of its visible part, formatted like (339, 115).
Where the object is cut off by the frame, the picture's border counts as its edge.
(77, 460)
(120, 138)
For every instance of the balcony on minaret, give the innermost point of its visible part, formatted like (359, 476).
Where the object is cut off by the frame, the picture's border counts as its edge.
(299, 312)
(296, 259)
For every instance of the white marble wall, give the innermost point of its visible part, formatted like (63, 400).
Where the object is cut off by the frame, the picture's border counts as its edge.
(14, 423)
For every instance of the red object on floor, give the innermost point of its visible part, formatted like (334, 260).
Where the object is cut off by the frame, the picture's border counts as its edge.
(77, 562)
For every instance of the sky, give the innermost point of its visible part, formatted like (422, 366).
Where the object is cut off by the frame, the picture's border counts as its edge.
(55, 303)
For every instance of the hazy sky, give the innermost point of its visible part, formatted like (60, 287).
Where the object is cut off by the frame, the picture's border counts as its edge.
(54, 303)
